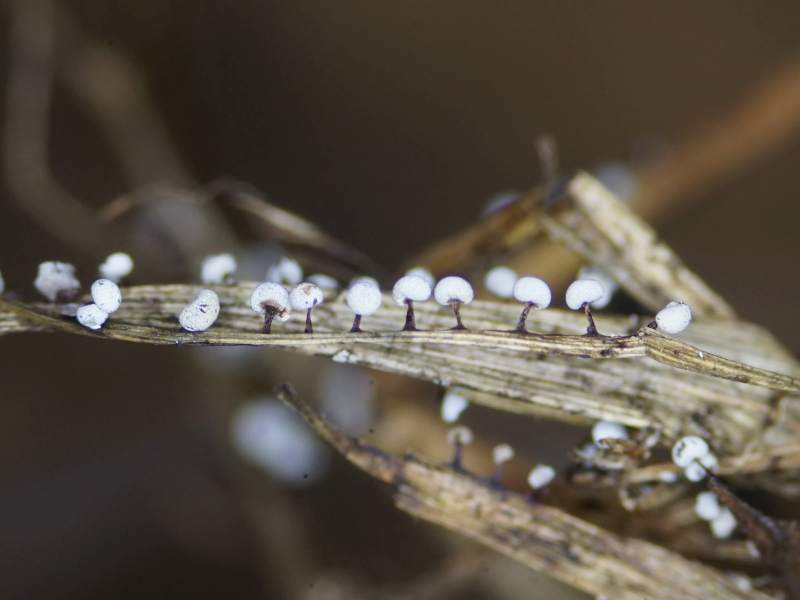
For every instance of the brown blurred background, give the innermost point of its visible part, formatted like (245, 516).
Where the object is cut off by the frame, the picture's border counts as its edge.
(389, 124)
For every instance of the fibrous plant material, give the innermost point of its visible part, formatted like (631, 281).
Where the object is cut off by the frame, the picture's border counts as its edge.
(594, 223)
(632, 379)
(738, 388)
(542, 537)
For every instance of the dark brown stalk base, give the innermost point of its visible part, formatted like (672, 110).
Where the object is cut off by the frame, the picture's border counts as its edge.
(356, 328)
(309, 328)
(269, 314)
(457, 312)
(591, 330)
(411, 324)
(523, 318)
(458, 458)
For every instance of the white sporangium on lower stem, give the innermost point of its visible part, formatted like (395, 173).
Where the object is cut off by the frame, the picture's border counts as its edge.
(534, 293)
(688, 449)
(608, 429)
(458, 437)
(306, 296)
(272, 301)
(674, 318)
(407, 290)
(540, 476)
(218, 269)
(502, 453)
(724, 524)
(106, 295)
(201, 313)
(273, 436)
(363, 298)
(453, 404)
(116, 266)
(580, 295)
(500, 281)
(56, 281)
(454, 291)
(91, 316)
(707, 506)
(699, 468)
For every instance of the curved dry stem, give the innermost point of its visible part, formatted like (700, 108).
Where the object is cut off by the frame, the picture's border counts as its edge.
(540, 537)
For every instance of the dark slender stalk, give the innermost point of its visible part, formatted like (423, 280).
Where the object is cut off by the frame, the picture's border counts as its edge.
(458, 456)
(496, 479)
(411, 324)
(309, 328)
(457, 312)
(523, 317)
(269, 314)
(356, 328)
(592, 329)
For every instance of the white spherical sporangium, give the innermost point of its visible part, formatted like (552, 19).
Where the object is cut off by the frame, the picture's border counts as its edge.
(217, 269)
(326, 282)
(286, 271)
(116, 266)
(276, 438)
(459, 436)
(699, 468)
(540, 476)
(532, 290)
(411, 287)
(707, 506)
(106, 295)
(305, 296)
(91, 316)
(608, 429)
(600, 275)
(364, 279)
(674, 317)
(271, 296)
(200, 313)
(453, 405)
(502, 453)
(453, 289)
(364, 298)
(500, 281)
(689, 449)
(724, 524)
(424, 273)
(56, 281)
(583, 291)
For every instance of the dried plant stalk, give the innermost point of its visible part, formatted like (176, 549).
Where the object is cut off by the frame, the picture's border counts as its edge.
(631, 378)
(600, 227)
(541, 537)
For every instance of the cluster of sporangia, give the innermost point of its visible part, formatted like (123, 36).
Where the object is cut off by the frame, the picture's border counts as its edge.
(274, 300)
(285, 290)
